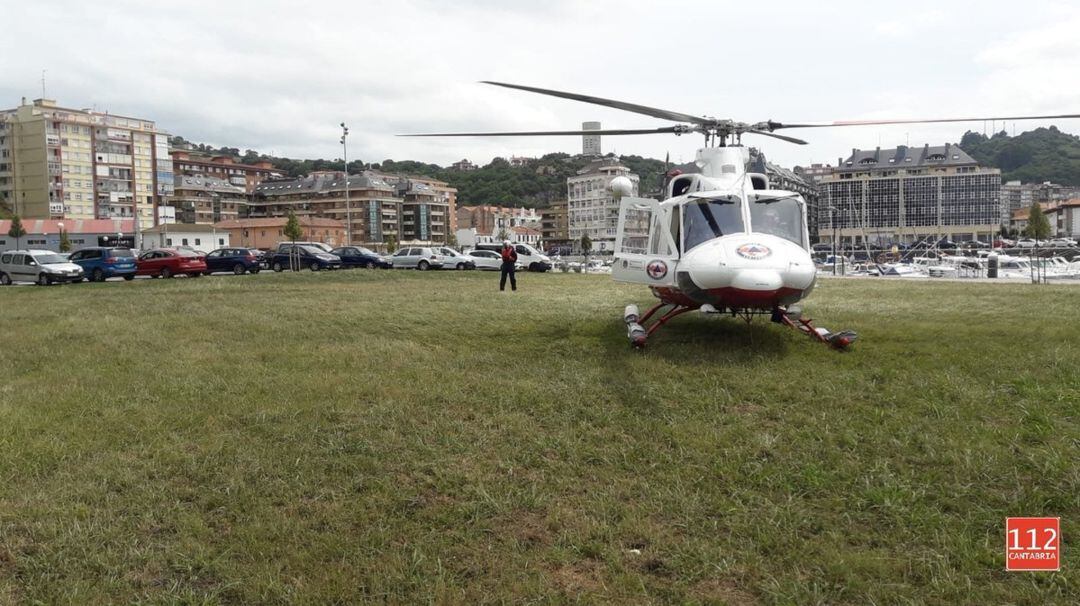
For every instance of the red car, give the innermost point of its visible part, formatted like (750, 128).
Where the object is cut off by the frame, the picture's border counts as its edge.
(168, 262)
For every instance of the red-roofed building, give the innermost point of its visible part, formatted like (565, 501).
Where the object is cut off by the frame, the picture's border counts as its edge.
(45, 233)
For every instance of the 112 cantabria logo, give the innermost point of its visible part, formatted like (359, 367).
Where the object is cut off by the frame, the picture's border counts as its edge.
(1032, 543)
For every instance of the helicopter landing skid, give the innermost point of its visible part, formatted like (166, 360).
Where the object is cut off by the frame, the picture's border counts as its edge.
(792, 318)
(635, 322)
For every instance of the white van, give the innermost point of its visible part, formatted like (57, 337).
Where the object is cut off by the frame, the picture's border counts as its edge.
(528, 257)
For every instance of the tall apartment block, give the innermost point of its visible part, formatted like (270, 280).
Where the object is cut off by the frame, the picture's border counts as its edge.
(63, 163)
(907, 194)
(591, 210)
(590, 144)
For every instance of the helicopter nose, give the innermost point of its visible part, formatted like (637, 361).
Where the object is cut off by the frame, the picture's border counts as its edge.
(757, 279)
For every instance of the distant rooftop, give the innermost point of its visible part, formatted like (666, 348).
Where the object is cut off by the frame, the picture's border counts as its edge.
(322, 181)
(908, 157)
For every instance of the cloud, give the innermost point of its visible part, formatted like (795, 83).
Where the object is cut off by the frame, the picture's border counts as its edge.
(280, 76)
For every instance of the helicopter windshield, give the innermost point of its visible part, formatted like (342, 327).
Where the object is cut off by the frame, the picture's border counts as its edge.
(778, 216)
(710, 218)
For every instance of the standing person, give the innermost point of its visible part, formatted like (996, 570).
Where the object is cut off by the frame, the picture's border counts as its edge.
(509, 264)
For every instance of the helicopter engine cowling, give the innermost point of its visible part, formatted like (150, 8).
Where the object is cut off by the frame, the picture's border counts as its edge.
(755, 271)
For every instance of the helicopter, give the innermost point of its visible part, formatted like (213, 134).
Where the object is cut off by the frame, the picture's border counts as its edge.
(722, 241)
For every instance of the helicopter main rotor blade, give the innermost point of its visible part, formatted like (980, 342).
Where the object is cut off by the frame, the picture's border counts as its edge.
(663, 114)
(776, 136)
(777, 125)
(546, 133)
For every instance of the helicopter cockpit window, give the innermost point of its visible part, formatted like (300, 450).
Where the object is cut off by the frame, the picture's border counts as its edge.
(777, 216)
(710, 218)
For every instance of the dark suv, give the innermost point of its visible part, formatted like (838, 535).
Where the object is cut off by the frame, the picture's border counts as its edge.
(303, 256)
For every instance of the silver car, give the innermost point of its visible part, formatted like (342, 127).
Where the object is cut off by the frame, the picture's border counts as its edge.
(42, 267)
(452, 259)
(415, 257)
(485, 259)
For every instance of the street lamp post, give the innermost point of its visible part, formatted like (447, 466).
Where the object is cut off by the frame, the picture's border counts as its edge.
(348, 203)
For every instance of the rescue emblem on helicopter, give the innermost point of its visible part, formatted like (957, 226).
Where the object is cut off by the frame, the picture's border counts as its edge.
(753, 251)
(656, 269)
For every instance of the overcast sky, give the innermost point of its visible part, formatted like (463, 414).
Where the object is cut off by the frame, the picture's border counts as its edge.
(279, 76)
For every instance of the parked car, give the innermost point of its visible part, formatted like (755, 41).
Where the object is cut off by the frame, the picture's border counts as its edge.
(43, 267)
(1004, 243)
(99, 263)
(358, 256)
(974, 244)
(237, 260)
(303, 256)
(946, 244)
(262, 257)
(528, 256)
(1062, 242)
(485, 259)
(416, 257)
(169, 262)
(326, 248)
(1029, 243)
(454, 259)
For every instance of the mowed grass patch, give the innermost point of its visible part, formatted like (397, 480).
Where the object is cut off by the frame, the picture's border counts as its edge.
(420, 437)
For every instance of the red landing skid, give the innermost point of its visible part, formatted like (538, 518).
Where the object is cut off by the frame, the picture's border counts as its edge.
(638, 334)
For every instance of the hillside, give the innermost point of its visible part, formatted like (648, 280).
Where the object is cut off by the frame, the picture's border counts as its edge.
(1043, 154)
(537, 182)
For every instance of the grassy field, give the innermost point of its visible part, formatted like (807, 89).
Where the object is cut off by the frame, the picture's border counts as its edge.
(408, 437)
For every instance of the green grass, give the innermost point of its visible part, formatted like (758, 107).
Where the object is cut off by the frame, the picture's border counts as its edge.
(407, 437)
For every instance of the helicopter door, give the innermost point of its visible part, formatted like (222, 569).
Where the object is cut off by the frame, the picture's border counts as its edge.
(645, 252)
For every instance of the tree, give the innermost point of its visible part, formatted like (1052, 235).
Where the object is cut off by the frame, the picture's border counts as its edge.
(16, 230)
(391, 243)
(586, 244)
(293, 232)
(451, 239)
(65, 243)
(1038, 226)
(502, 235)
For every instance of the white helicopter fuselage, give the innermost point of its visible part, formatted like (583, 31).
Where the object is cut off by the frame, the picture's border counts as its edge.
(708, 243)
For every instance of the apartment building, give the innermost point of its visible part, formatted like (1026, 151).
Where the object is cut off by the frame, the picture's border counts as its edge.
(554, 227)
(492, 220)
(7, 161)
(376, 208)
(429, 208)
(64, 163)
(1064, 218)
(907, 193)
(226, 168)
(591, 210)
(206, 200)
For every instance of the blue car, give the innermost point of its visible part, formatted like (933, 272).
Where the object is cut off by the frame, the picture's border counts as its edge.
(100, 263)
(358, 256)
(237, 260)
